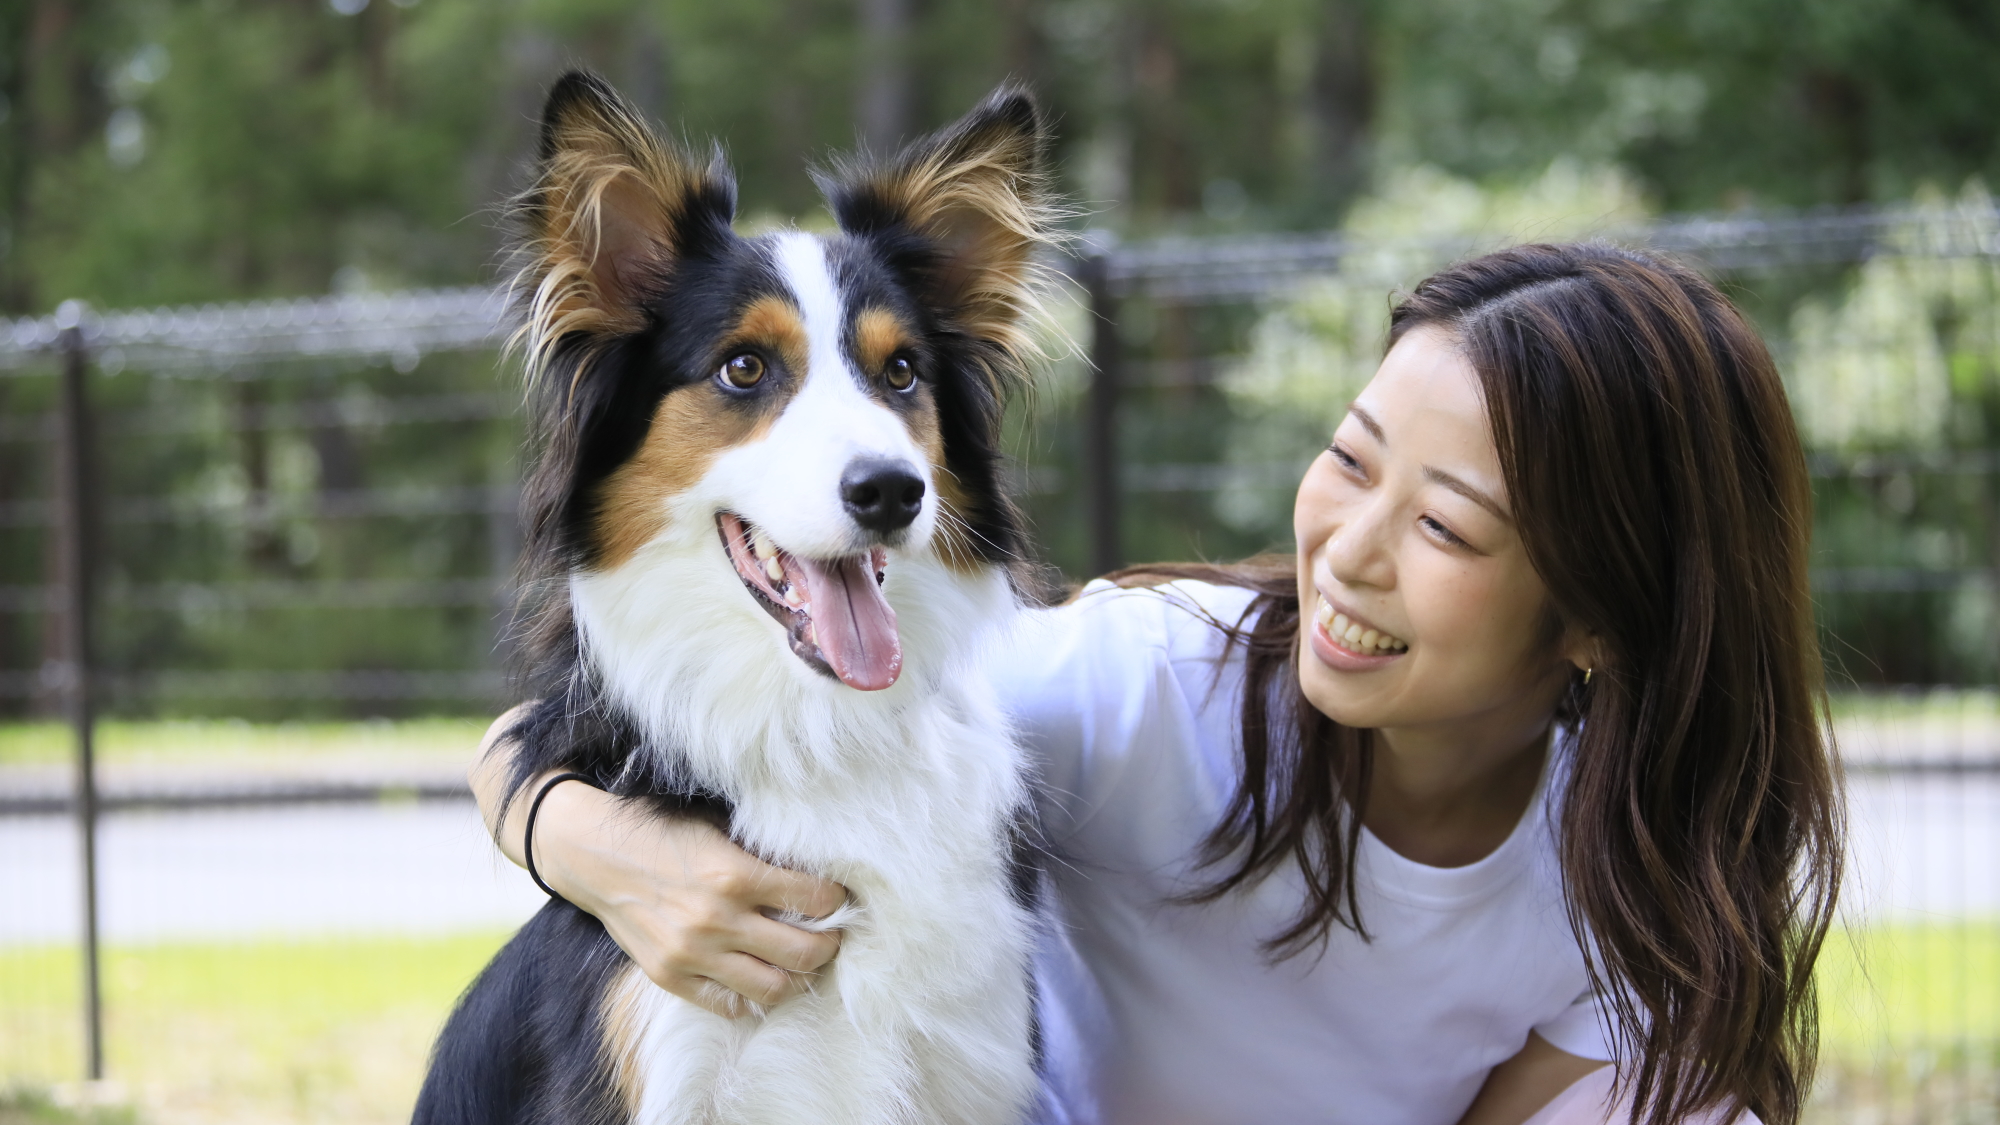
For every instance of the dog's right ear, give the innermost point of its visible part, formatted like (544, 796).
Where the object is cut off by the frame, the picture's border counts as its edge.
(613, 208)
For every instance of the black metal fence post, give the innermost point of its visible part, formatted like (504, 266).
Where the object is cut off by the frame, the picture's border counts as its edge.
(1100, 429)
(73, 548)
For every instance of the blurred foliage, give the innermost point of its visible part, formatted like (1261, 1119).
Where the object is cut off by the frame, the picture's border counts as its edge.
(176, 150)
(169, 151)
(1711, 102)
(1315, 349)
(301, 478)
(1905, 357)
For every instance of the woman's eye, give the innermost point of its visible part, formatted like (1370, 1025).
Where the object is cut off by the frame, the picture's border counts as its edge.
(1343, 458)
(1442, 532)
(900, 374)
(742, 371)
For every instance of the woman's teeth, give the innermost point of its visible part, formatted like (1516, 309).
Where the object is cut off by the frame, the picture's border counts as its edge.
(1356, 638)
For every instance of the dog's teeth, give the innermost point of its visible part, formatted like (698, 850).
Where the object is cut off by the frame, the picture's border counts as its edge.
(792, 595)
(773, 569)
(761, 543)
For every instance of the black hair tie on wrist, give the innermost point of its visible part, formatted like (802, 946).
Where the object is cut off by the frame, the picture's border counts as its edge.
(528, 834)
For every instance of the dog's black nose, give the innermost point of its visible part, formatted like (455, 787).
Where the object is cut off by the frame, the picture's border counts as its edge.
(882, 495)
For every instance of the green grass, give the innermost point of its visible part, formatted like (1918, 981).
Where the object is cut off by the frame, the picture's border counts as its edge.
(28, 1105)
(337, 1030)
(165, 742)
(275, 1031)
(1910, 987)
(1968, 705)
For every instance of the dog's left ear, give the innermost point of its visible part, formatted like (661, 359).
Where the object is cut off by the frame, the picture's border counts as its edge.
(613, 207)
(962, 210)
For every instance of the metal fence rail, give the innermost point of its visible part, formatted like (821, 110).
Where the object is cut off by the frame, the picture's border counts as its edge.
(1249, 266)
(228, 340)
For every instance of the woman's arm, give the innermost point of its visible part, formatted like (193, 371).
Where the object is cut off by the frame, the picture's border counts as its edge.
(676, 894)
(1518, 1088)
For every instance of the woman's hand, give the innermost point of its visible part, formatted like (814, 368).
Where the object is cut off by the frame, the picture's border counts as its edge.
(692, 909)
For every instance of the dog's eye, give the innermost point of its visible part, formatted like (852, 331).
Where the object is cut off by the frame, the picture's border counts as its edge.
(901, 373)
(742, 371)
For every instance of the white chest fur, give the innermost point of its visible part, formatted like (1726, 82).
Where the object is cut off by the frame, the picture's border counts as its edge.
(903, 795)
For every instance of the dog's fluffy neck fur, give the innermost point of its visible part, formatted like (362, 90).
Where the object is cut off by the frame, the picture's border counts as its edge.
(899, 795)
(722, 707)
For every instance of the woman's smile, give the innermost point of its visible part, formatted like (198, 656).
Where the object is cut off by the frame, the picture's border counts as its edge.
(1350, 643)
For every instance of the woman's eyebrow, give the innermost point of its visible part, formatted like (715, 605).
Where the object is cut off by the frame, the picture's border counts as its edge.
(1440, 477)
(1368, 423)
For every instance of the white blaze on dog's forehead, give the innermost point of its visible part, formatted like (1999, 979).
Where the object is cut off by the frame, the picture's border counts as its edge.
(833, 399)
(801, 261)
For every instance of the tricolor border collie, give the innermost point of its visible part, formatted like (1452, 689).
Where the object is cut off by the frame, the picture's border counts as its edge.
(768, 537)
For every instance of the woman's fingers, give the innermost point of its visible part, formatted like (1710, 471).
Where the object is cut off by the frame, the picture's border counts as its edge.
(785, 891)
(736, 982)
(759, 981)
(787, 947)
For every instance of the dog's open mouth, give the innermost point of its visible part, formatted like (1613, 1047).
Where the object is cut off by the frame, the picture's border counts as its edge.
(833, 610)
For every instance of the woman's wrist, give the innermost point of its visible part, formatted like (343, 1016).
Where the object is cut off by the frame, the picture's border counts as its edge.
(568, 812)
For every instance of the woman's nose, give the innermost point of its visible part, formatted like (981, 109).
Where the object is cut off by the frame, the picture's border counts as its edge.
(1359, 552)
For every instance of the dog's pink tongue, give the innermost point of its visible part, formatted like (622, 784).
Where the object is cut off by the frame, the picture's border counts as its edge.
(852, 622)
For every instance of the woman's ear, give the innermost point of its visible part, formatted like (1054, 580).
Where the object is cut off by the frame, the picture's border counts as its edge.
(1582, 648)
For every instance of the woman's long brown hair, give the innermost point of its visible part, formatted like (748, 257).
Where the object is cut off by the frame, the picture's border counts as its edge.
(1660, 489)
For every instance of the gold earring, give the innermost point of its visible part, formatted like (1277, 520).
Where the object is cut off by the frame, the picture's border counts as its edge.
(1586, 676)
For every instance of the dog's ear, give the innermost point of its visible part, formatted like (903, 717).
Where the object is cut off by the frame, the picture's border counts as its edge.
(964, 209)
(612, 209)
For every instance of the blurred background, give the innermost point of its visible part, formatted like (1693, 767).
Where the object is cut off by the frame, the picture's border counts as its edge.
(259, 453)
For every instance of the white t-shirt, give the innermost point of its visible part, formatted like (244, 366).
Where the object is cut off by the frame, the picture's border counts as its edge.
(1174, 1014)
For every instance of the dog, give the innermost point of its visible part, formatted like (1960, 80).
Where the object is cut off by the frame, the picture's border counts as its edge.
(768, 540)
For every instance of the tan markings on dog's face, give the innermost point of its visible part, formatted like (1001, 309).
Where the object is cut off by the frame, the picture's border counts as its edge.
(977, 190)
(692, 426)
(774, 324)
(623, 1032)
(878, 334)
(953, 541)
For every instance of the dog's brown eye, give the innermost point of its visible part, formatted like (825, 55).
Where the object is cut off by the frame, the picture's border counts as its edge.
(900, 373)
(742, 371)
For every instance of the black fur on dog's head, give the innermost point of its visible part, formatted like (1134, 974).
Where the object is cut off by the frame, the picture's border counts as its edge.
(632, 282)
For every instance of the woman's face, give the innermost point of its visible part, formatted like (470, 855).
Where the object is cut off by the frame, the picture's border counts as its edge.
(1420, 607)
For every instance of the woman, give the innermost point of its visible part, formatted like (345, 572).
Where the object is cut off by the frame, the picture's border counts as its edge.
(1516, 769)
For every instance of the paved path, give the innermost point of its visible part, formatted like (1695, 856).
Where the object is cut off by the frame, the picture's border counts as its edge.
(1923, 847)
(301, 871)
